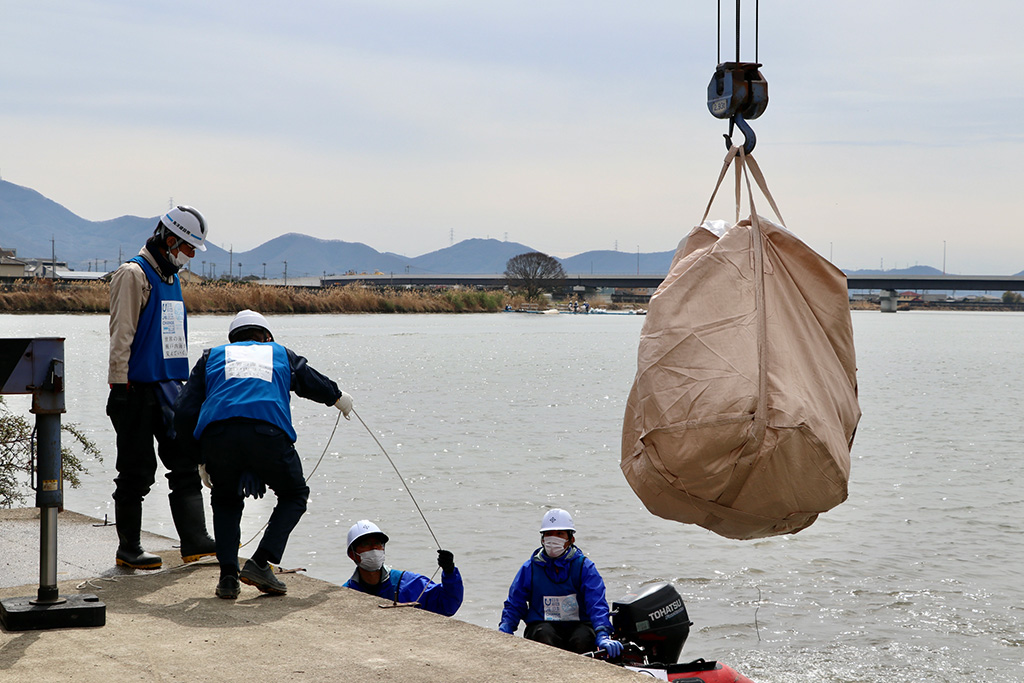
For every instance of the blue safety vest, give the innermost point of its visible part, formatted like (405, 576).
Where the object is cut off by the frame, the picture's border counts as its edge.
(159, 349)
(543, 586)
(248, 379)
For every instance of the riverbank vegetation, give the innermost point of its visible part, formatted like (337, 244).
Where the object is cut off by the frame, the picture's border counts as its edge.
(46, 296)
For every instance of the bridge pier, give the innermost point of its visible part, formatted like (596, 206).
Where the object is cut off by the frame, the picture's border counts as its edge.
(887, 300)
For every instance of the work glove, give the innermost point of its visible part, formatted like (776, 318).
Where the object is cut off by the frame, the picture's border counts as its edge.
(506, 628)
(612, 647)
(344, 404)
(251, 485)
(205, 476)
(446, 561)
(117, 401)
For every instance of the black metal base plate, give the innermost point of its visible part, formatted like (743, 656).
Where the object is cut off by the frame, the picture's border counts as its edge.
(78, 610)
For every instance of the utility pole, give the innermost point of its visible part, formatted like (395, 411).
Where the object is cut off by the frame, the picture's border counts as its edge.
(239, 270)
(286, 273)
(231, 255)
(264, 271)
(53, 258)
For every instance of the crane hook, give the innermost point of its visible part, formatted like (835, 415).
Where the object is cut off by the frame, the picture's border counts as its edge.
(749, 139)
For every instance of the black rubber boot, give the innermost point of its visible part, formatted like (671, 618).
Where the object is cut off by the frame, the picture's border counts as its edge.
(128, 517)
(190, 521)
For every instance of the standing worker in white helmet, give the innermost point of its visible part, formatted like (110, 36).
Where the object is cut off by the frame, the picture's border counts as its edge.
(366, 548)
(237, 403)
(148, 361)
(559, 593)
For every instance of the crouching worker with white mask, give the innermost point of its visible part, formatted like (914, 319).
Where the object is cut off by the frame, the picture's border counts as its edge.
(559, 593)
(366, 548)
(237, 403)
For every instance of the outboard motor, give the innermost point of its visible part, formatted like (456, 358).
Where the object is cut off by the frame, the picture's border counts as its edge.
(654, 619)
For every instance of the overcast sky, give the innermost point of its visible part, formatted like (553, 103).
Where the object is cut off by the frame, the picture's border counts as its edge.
(890, 139)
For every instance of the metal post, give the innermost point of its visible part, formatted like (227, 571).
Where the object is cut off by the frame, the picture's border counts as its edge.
(36, 366)
(49, 499)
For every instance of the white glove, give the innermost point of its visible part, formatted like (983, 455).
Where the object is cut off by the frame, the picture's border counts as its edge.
(344, 404)
(205, 477)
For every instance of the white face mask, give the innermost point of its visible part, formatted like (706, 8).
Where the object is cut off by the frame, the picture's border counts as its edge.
(179, 259)
(371, 560)
(554, 546)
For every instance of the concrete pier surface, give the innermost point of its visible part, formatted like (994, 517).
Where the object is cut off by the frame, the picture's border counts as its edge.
(167, 625)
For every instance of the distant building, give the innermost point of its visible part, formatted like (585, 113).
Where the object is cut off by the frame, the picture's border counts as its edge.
(189, 276)
(42, 267)
(10, 266)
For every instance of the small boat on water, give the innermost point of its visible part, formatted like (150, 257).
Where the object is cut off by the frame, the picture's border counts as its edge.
(652, 624)
(604, 311)
(531, 308)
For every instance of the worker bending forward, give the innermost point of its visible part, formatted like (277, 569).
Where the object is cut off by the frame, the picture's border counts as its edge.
(237, 404)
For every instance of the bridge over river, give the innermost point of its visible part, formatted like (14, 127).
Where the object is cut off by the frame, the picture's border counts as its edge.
(986, 283)
(888, 285)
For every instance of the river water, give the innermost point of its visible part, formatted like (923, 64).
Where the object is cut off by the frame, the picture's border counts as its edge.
(493, 418)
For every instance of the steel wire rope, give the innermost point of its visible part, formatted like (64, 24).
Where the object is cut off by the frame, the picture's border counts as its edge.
(337, 421)
(393, 466)
(308, 477)
(207, 560)
(409, 491)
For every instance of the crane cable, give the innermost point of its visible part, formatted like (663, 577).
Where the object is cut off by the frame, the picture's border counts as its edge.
(757, 30)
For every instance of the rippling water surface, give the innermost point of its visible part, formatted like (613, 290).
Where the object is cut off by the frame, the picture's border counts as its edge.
(492, 418)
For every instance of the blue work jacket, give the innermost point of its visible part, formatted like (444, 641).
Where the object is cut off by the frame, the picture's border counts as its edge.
(543, 585)
(443, 598)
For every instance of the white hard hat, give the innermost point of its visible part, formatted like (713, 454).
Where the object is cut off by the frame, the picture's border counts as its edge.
(245, 319)
(188, 224)
(364, 527)
(556, 520)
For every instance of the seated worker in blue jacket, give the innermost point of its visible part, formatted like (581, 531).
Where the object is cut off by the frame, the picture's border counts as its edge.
(559, 594)
(366, 548)
(237, 403)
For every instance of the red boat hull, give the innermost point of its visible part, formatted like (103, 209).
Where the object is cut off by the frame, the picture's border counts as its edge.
(699, 671)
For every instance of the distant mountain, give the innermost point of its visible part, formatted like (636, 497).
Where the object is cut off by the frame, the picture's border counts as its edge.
(28, 222)
(618, 263)
(472, 256)
(307, 255)
(912, 270)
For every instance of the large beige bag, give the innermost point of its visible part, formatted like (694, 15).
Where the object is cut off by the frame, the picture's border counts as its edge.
(744, 405)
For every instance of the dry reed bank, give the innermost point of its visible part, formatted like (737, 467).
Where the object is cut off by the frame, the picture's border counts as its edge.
(93, 297)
